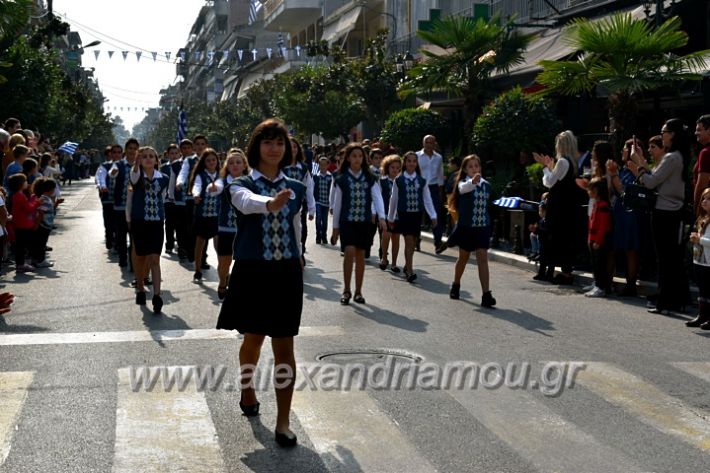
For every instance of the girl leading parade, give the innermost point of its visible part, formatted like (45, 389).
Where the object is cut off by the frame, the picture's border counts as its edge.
(206, 187)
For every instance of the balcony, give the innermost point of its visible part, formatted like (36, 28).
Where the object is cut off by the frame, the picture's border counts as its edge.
(290, 15)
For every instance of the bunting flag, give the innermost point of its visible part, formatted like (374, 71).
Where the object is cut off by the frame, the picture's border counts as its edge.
(240, 53)
(253, 54)
(167, 55)
(298, 50)
(210, 57)
(124, 54)
(110, 54)
(254, 8)
(96, 54)
(269, 52)
(138, 56)
(155, 55)
(283, 51)
(225, 55)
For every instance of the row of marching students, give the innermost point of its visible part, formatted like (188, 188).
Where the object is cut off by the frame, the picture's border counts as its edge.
(359, 199)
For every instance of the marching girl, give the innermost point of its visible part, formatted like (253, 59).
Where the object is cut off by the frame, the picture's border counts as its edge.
(147, 217)
(206, 187)
(234, 167)
(391, 167)
(298, 170)
(265, 295)
(470, 199)
(410, 197)
(355, 193)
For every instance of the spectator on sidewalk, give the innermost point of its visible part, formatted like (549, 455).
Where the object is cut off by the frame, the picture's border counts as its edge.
(701, 262)
(599, 241)
(431, 164)
(701, 171)
(19, 154)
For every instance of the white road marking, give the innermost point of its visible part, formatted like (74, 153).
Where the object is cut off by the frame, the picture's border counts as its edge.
(13, 392)
(699, 369)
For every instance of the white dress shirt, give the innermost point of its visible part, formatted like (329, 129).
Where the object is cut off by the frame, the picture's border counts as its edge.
(432, 167)
(184, 175)
(197, 185)
(394, 199)
(337, 200)
(558, 172)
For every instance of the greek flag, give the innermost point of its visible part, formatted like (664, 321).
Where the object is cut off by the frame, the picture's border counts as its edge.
(516, 203)
(69, 147)
(254, 8)
(182, 127)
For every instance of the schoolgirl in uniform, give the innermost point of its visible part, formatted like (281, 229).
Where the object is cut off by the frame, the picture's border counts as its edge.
(147, 216)
(234, 167)
(410, 197)
(472, 233)
(206, 188)
(391, 167)
(120, 173)
(355, 192)
(265, 295)
(299, 171)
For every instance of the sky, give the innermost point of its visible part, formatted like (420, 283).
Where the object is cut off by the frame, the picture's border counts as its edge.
(131, 25)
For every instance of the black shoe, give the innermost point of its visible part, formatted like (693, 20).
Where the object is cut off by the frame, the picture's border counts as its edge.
(705, 326)
(441, 248)
(197, 277)
(140, 298)
(345, 298)
(205, 265)
(488, 300)
(540, 277)
(285, 440)
(358, 298)
(157, 303)
(696, 322)
(563, 280)
(395, 269)
(221, 293)
(455, 291)
(318, 241)
(251, 410)
(411, 277)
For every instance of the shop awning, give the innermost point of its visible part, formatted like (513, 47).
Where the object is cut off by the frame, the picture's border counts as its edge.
(343, 25)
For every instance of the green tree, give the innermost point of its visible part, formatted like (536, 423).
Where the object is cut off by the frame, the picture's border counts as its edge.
(405, 128)
(473, 50)
(627, 57)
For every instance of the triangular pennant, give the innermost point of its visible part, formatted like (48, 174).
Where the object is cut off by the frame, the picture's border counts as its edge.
(167, 55)
(210, 57)
(225, 55)
(240, 53)
(253, 54)
(298, 50)
(269, 52)
(182, 56)
(124, 54)
(283, 51)
(155, 55)
(138, 56)
(110, 54)
(96, 54)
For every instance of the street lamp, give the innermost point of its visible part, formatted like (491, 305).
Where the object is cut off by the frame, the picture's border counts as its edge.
(92, 44)
(647, 4)
(408, 61)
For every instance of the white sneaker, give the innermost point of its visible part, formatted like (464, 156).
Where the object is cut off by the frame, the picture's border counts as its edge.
(44, 264)
(24, 268)
(596, 292)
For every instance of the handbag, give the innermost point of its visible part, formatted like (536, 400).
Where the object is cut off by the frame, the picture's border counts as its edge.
(638, 197)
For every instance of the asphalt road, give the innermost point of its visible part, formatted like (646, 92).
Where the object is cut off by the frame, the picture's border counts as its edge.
(639, 402)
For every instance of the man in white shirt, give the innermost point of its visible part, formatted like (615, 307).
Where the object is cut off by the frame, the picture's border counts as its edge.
(431, 164)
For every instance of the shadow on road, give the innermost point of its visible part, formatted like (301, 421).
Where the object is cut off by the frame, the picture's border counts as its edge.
(521, 318)
(4, 327)
(386, 317)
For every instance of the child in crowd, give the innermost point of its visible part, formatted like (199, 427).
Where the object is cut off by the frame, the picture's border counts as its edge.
(375, 161)
(19, 154)
(701, 262)
(410, 197)
(470, 199)
(30, 168)
(322, 182)
(43, 189)
(206, 187)
(234, 167)
(391, 167)
(599, 233)
(3, 225)
(355, 191)
(23, 209)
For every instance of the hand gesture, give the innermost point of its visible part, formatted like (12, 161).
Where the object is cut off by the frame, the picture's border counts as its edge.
(695, 238)
(383, 225)
(6, 299)
(334, 236)
(476, 179)
(433, 223)
(633, 167)
(104, 190)
(212, 188)
(636, 154)
(538, 158)
(279, 200)
(311, 216)
(548, 162)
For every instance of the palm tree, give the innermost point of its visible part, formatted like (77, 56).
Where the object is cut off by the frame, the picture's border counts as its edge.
(625, 56)
(472, 50)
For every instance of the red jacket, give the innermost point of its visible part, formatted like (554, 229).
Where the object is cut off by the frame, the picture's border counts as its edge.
(24, 211)
(599, 223)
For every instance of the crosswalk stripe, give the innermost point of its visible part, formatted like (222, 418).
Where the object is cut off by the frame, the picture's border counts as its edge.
(164, 430)
(145, 336)
(648, 403)
(347, 428)
(699, 369)
(538, 434)
(13, 392)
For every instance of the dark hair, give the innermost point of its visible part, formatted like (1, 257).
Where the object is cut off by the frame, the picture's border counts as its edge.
(704, 120)
(107, 150)
(345, 164)
(299, 158)
(461, 174)
(387, 162)
(116, 145)
(200, 137)
(20, 150)
(15, 182)
(11, 122)
(172, 146)
(29, 165)
(44, 160)
(417, 171)
(599, 186)
(42, 185)
(269, 129)
(132, 141)
(603, 152)
(656, 140)
(680, 142)
(200, 165)
(185, 142)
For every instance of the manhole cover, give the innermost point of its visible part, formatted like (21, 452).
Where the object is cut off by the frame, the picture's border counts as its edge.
(369, 356)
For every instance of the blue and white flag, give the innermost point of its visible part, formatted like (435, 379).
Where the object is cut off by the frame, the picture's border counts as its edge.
(516, 203)
(254, 8)
(182, 126)
(69, 147)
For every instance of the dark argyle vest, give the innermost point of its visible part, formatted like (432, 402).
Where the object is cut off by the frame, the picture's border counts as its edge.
(209, 205)
(297, 171)
(473, 206)
(321, 187)
(173, 169)
(410, 197)
(386, 186)
(357, 197)
(120, 190)
(147, 199)
(270, 236)
(227, 212)
(107, 197)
